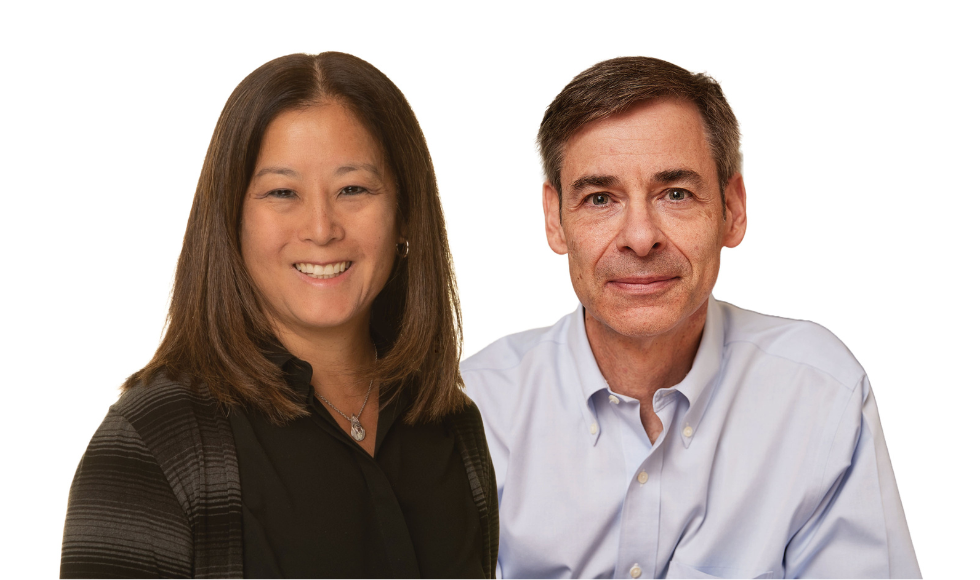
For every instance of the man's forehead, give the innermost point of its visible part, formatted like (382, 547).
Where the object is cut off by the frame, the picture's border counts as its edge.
(659, 134)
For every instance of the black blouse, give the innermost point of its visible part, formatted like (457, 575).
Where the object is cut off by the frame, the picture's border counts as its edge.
(317, 505)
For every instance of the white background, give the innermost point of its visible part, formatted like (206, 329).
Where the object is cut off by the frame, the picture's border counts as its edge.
(860, 132)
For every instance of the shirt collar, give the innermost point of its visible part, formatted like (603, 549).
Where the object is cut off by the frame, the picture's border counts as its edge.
(590, 378)
(697, 386)
(700, 381)
(297, 372)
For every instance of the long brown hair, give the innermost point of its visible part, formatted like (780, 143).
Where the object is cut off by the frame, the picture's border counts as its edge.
(217, 335)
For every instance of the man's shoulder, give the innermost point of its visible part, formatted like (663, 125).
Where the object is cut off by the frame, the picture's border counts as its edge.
(796, 341)
(496, 376)
(513, 350)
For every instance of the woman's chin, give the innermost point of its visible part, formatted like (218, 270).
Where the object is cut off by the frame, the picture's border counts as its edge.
(318, 322)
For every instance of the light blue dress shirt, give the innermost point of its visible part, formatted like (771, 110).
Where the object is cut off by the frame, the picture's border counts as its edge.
(771, 462)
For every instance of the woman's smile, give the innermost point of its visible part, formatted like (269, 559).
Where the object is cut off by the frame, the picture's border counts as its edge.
(322, 271)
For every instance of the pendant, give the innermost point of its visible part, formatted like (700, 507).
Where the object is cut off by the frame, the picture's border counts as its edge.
(356, 431)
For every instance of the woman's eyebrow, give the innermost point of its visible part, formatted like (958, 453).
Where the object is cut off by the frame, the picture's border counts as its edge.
(370, 167)
(277, 171)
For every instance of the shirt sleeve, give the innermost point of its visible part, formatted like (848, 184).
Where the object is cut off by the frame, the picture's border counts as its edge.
(858, 529)
(123, 520)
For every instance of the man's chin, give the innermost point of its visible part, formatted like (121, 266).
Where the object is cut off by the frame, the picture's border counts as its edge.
(638, 321)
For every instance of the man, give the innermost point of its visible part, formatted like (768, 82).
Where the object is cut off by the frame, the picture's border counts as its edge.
(656, 431)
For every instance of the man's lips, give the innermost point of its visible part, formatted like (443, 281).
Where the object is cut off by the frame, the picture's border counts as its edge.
(642, 284)
(642, 279)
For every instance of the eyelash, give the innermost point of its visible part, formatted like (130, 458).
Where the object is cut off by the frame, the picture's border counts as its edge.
(686, 193)
(347, 190)
(277, 193)
(283, 193)
(592, 197)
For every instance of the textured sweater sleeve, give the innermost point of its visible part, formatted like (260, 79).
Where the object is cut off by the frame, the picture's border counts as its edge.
(468, 426)
(123, 520)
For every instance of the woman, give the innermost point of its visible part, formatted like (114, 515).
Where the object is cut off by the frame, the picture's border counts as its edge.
(303, 414)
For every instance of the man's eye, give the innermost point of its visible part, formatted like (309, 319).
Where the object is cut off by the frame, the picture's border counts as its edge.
(678, 194)
(599, 198)
(352, 190)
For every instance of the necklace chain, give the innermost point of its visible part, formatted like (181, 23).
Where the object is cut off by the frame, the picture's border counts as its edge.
(356, 429)
(351, 418)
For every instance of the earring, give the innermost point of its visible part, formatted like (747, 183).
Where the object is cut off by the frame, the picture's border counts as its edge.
(402, 249)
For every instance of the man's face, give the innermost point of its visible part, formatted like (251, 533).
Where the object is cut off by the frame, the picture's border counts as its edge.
(641, 218)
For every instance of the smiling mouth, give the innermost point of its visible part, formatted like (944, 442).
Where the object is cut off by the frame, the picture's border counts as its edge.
(322, 272)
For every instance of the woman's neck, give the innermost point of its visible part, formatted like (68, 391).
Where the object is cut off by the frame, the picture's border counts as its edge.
(341, 357)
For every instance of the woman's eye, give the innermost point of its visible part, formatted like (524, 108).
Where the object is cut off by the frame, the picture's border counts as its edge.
(599, 198)
(352, 190)
(678, 194)
(282, 193)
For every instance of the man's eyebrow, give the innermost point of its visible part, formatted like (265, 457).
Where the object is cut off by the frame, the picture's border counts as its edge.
(675, 175)
(593, 181)
(277, 171)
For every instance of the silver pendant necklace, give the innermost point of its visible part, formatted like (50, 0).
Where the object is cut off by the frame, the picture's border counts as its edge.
(356, 429)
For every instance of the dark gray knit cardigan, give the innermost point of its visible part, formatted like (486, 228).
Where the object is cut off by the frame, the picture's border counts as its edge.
(157, 491)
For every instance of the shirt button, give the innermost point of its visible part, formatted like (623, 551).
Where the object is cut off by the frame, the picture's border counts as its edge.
(635, 571)
(688, 431)
(642, 478)
(593, 428)
(614, 399)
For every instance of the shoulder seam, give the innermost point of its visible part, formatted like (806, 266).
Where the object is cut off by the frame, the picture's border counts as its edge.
(799, 362)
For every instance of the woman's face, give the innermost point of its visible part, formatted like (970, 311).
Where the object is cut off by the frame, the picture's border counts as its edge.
(318, 228)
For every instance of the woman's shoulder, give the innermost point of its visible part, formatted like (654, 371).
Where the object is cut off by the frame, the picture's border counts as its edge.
(467, 424)
(159, 394)
(177, 421)
(158, 474)
(468, 417)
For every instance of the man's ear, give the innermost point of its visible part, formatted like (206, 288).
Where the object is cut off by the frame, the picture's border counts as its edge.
(735, 220)
(552, 219)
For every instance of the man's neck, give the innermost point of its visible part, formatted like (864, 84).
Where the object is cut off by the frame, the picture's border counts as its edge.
(640, 366)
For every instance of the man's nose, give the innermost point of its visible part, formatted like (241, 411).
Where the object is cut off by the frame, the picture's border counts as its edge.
(641, 229)
(322, 224)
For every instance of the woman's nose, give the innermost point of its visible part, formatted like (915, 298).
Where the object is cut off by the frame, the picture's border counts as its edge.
(322, 224)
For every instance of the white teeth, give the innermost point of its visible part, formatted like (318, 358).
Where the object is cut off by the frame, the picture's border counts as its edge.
(322, 272)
